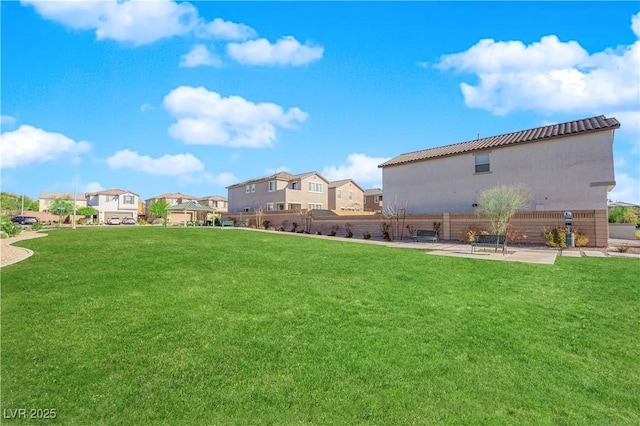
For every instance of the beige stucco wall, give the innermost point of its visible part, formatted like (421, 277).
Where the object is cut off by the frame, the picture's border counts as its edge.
(335, 203)
(569, 173)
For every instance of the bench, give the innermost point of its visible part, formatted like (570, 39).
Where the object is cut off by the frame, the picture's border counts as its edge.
(426, 235)
(491, 241)
(227, 223)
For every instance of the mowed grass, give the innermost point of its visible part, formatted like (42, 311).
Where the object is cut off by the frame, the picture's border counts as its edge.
(205, 326)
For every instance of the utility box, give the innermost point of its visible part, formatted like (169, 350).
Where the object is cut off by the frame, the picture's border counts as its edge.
(568, 219)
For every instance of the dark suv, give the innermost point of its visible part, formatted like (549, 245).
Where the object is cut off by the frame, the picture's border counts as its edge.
(24, 220)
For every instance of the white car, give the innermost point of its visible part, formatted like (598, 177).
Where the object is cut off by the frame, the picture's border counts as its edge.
(115, 220)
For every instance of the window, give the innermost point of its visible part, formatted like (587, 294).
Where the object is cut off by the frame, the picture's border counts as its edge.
(253, 187)
(482, 163)
(128, 199)
(293, 185)
(375, 199)
(350, 195)
(272, 185)
(315, 187)
(247, 189)
(315, 206)
(339, 193)
(246, 209)
(270, 206)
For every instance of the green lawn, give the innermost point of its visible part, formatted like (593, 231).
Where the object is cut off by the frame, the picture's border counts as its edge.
(179, 326)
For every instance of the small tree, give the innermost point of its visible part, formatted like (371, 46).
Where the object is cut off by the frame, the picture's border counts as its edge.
(158, 208)
(62, 206)
(86, 211)
(500, 203)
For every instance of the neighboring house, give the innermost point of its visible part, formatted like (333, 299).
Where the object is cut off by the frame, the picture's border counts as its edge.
(46, 198)
(345, 195)
(216, 202)
(172, 198)
(280, 191)
(114, 202)
(566, 166)
(373, 200)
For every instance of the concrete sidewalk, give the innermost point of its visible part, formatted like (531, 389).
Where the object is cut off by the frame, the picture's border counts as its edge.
(514, 254)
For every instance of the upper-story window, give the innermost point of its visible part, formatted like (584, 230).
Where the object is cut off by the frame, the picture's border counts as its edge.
(247, 189)
(253, 187)
(375, 199)
(109, 198)
(272, 185)
(350, 195)
(339, 193)
(128, 199)
(315, 187)
(482, 163)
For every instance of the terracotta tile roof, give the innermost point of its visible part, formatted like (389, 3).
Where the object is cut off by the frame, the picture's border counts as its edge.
(114, 191)
(571, 128)
(278, 176)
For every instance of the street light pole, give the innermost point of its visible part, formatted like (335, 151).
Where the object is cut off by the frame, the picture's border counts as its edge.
(75, 182)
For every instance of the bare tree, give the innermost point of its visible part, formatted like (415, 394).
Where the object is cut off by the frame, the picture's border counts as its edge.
(499, 203)
(306, 219)
(395, 212)
(258, 213)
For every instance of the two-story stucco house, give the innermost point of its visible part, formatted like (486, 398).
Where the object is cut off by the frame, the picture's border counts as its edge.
(114, 202)
(216, 202)
(280, 191)
(566, 166)
(345, 194)
(45, 199)
(373, 200)
(171, 198)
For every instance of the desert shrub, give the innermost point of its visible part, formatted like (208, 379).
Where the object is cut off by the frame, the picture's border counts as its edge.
(437, 226)
(514, 235)
(366, 235)
(347, 230)
(333, 230)
(294, 226)
(557, 237)
(265, 224)
(411, 230)
(623, 248)
(472, 230)
(11, 229)
(385, 228)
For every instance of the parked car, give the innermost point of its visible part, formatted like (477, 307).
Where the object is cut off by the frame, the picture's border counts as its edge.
(114, 220)
(128, 221)
(24, 220)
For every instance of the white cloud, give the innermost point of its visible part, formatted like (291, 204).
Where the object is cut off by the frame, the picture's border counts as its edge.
(136, 21)
(27, 145)
(222, 179)
(167, 165)
(286, 51)
(7, 120)
(199, 56)
(146, 107)
(206, 118)
(360, 167)
(547, 76)
(93, 187)
(635, 24)
(225, 30)
(627, 189)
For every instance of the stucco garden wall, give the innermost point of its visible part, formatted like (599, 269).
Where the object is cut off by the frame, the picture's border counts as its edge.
(593, 223)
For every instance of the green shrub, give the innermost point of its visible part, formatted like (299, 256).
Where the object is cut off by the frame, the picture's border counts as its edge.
(36, 226)
(11, 229)
(623, 215)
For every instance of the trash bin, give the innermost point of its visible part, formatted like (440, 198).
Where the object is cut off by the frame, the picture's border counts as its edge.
(570, 240)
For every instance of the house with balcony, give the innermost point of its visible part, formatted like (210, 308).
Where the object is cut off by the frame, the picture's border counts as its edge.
(345, 195)
(373, 200)
(114, 203)
(280, 191)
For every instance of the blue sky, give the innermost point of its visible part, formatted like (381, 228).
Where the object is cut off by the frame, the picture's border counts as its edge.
(163, 96)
